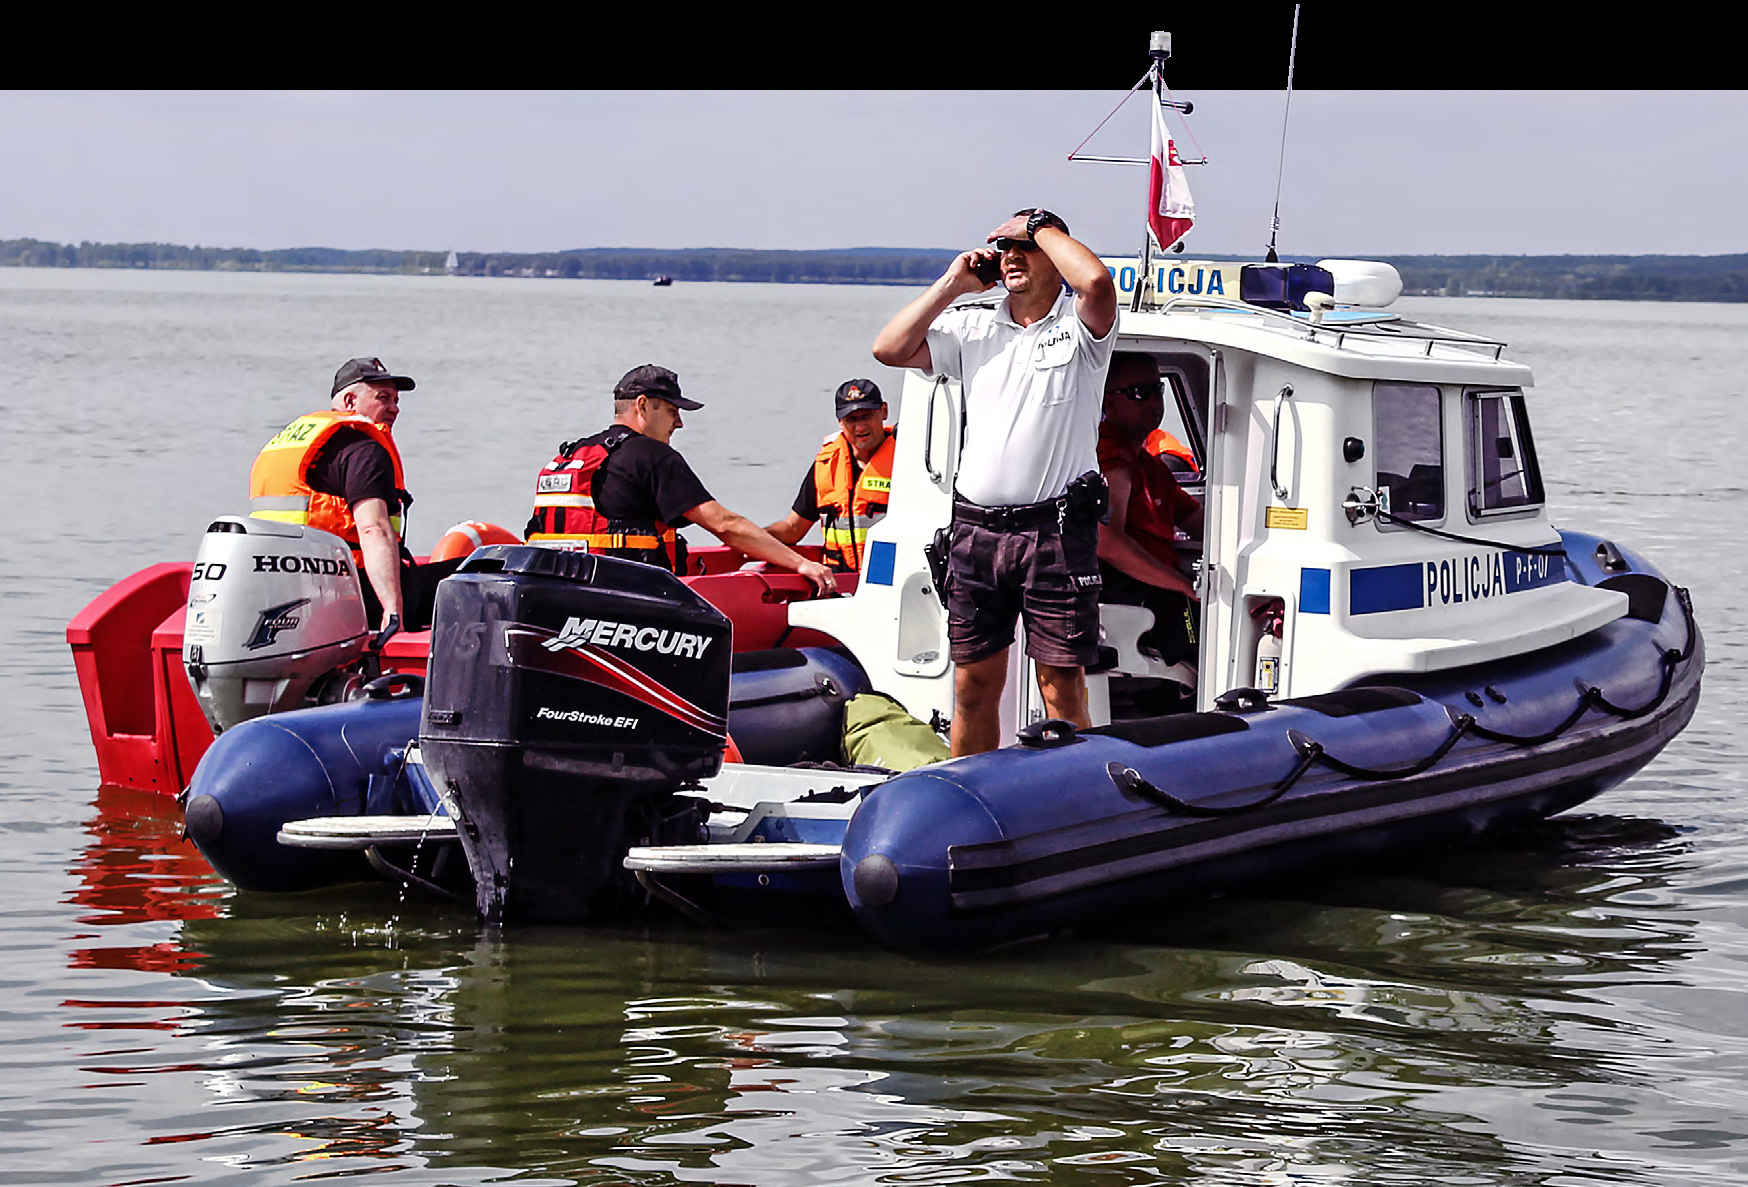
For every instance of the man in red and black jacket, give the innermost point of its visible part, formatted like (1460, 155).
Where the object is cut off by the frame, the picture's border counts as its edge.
(1138, 556)
(625, 490)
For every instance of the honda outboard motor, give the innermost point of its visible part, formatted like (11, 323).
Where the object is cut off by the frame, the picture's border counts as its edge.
(568, 697)
(275, 614)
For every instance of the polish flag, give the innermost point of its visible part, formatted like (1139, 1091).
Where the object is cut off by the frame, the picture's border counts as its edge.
(1170, 209)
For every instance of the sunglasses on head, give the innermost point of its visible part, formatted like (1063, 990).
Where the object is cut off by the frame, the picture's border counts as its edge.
(1143, 391)
(1015, 245)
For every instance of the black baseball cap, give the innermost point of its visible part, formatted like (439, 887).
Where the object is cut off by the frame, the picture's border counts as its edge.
(856, 394)
(651, 380)
(367, 371)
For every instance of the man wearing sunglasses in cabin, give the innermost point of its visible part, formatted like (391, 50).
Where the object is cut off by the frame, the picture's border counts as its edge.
(1138, 558)
(1027, 493)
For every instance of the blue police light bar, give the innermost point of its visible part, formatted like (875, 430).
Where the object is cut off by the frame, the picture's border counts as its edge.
(1282, 286)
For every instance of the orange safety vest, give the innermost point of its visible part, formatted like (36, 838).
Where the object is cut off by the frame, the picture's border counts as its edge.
(846, 513)
(279, 486)
(1161, 442)
(564, 507)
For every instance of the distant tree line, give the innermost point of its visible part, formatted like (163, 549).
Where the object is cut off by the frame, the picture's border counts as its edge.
(1639, 278)
(1621, 278)
(864, 265)
(36, 253)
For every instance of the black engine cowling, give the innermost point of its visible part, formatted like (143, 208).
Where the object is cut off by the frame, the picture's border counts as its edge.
(568, 697)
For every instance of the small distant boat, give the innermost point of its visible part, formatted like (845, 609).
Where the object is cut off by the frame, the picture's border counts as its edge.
(663, 282)
(452, 265)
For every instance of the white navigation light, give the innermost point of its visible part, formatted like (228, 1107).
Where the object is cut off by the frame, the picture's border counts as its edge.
(1367, 284)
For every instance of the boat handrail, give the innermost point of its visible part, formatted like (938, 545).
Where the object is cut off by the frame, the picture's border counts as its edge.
(1281, 493)
(1431, 335)
(929, 432)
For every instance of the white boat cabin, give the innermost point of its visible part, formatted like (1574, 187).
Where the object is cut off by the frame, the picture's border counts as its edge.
(1326, 439)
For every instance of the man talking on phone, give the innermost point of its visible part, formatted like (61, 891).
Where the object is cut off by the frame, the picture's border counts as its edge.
(1028, 495)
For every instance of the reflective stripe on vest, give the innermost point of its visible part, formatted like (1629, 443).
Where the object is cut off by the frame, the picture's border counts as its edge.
(846, 514)
(279, 488)
(606, 539)
(564, 506)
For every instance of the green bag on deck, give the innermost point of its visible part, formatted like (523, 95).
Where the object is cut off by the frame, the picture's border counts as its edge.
(879, 733)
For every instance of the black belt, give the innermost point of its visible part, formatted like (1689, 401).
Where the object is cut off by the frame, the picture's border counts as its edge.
(1018, 517)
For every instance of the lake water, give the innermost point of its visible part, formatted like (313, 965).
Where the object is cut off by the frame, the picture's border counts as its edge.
(1567, 1006)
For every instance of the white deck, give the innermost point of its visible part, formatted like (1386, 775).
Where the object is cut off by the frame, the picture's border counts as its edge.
(362, 832)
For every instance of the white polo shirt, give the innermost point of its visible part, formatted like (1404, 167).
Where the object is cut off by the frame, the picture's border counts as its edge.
(1033, 395)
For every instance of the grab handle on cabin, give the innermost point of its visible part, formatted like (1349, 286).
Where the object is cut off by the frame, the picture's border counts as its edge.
(1281, 399)
(929, 433)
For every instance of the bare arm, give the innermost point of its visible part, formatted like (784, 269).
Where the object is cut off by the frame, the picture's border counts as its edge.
(1120, 550)
(382, 558)
(789, 529)
(904, 341)
(737, 531)
(1095, 295)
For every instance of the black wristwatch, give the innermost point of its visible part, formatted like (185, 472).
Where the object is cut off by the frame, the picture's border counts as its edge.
(1043, 218)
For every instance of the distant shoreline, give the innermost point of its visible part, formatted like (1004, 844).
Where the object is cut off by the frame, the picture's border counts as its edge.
(1721, 278)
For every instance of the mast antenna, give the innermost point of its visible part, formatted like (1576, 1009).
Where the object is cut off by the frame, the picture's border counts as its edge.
(1281, 163)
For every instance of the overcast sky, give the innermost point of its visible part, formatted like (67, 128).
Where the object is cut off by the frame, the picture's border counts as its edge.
(1366, 173)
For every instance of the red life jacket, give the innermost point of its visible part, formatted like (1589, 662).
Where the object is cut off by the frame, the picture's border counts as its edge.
(1160, 443)
(564, 507)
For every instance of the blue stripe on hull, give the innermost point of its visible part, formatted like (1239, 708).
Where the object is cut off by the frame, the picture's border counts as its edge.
(1385, 587)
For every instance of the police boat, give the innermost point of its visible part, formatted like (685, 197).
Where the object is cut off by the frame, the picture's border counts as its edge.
(1397, 649)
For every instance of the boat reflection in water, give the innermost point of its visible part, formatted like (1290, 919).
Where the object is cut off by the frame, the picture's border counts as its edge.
(137, 868)
(1247, 1032)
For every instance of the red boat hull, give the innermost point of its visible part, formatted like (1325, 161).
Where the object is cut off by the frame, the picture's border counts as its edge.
(149, 732)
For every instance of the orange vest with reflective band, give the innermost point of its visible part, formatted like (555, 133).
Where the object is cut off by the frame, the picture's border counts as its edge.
(279, 486)
(1159, 442)
(564, 506)
(850, 504)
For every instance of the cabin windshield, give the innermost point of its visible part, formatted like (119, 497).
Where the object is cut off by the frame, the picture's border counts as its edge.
(1409, 434)
(1503, 475)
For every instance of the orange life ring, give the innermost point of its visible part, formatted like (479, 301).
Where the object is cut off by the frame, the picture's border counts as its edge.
(730, 752)
(464, 537)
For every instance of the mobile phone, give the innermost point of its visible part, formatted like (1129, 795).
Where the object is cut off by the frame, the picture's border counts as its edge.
(987, 269)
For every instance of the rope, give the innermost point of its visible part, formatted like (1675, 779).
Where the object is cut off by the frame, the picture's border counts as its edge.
(1114, 111)
(1130, 781)
(1201, 153)
(1461, 726)
(1554, 550)
(1588, 698)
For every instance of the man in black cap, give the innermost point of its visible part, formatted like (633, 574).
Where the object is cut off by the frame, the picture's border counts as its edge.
(850, 482)
(338, 470)
(625, 490)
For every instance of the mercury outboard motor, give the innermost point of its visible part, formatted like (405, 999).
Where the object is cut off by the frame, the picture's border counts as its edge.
(275, 620)
(569, 696)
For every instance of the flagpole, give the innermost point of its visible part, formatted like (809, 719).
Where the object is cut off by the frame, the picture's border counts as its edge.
(1159, 49)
